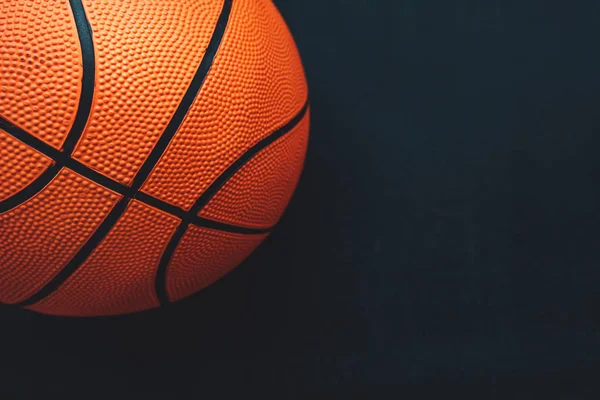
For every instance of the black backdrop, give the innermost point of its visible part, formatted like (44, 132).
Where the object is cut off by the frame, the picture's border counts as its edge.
(444, 239)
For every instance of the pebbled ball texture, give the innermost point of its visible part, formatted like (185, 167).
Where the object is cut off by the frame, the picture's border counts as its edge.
(256, 84)
(146, 54)
(119, 276)
(20, 165)
(258, 193)
(217, 252)
(40, 67)
(39, 237)
(210, 81)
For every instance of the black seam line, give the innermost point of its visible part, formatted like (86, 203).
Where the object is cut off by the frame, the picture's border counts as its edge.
(84, 32)
(42, 181)
(188, 98)
(195, 219)
(247, 156)
(160, 282)
(143, 173)
(220, 226)
(80, 257)
(30, 190)
(61, 159)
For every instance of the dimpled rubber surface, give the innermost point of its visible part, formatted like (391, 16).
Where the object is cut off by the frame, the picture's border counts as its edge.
(40, 236)
(205, 255)
(147, 52)
(40, 67)
(20, 165)
(119, 276)
(256, 84)
(74, 247)
(258, 193)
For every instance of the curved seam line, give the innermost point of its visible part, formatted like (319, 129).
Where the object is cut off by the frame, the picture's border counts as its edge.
(119, 208)
(161, 273)
(86, 97)
(32, 189)
(86, 172)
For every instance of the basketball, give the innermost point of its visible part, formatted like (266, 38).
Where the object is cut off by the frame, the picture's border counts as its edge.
(146, 147)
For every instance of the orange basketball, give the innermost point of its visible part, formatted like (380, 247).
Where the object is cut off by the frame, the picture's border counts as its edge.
(146, 147)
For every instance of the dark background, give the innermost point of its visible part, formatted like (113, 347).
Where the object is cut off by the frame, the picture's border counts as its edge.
(444, 240)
